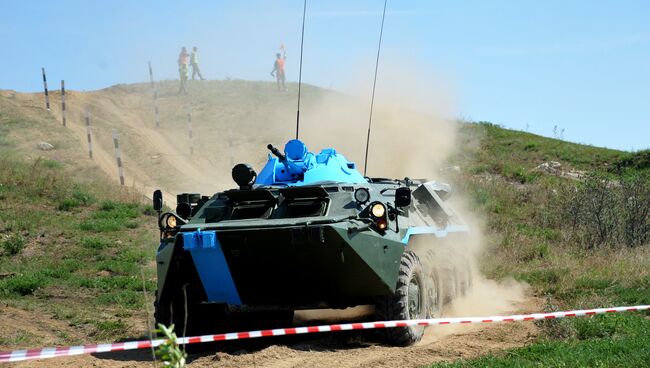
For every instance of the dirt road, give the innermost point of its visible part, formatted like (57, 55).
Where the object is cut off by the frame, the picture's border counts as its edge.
(349, 349)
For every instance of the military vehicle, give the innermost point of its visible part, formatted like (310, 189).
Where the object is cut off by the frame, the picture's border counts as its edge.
(308, 232)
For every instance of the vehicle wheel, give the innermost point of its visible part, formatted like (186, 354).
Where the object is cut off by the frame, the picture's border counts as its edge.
(434, 299)
(199, 319)
(171, 310)
(465, 279)
(408, 302)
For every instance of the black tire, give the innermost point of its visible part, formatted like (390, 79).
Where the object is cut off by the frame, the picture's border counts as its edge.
(213, 318)
(408, 302)
(171, 310)
(200, 318)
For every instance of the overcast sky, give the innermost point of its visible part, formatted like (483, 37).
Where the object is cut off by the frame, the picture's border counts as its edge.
(583, 66)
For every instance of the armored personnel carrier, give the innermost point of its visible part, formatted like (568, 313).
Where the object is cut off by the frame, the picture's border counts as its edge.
(307, 232)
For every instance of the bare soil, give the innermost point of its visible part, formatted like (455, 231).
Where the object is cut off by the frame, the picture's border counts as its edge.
(350, 349)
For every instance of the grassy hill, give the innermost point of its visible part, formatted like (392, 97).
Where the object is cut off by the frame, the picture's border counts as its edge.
(74, 246)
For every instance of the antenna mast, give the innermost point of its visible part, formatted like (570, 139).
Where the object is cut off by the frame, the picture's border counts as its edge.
(374, 84)
(302, 39)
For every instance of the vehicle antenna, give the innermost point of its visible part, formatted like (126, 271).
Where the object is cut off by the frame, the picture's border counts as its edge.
(302, 39)
(374, 84)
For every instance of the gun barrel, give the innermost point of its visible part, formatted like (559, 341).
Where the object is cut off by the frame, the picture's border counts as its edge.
(276, 152)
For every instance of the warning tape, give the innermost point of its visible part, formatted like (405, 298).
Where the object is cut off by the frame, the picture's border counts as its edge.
(20, 355)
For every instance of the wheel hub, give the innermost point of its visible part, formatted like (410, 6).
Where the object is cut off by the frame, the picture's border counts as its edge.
(413, 299)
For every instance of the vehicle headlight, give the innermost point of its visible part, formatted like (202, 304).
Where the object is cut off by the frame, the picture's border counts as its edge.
(171, 221)
(378, 210)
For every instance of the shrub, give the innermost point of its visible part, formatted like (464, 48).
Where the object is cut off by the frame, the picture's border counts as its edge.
(68, 204)
(82, 196)
(636, 209)
(13, 245)
(602, 211)
(21, 285)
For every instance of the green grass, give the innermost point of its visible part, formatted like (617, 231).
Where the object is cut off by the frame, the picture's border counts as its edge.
(21, 285)
(503, 148)
(75, 242)
(522, 209)
(601, 341)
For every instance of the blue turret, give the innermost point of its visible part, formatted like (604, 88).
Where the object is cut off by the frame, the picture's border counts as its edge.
(297, 166)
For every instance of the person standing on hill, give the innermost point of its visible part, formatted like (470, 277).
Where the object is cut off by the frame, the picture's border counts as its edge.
(194, 62)
(183, 64)
(278, 69)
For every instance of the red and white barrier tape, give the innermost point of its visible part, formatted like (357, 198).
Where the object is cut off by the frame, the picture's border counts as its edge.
(20, 355)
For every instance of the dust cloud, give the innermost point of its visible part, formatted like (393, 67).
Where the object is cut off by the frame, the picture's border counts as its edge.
(413, 129)
(413, 133)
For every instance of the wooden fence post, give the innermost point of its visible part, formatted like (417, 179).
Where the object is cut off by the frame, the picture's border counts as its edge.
(63, 112)
(88, 131)
(47, 95)
(151, 75)
(156, 109)
(189, 130)
(118, 157)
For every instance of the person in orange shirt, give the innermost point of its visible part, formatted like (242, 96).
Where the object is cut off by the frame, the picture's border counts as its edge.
(278, 70)
(183, 68)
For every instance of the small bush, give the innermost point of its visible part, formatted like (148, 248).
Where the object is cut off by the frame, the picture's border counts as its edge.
(21, 285)
(82, 196)
(13, 245)
(68, 204)
(131, 224)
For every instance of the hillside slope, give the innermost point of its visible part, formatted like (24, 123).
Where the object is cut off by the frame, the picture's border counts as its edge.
(74, 243)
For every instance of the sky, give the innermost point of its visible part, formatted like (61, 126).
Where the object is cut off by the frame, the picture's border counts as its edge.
(577, 68)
